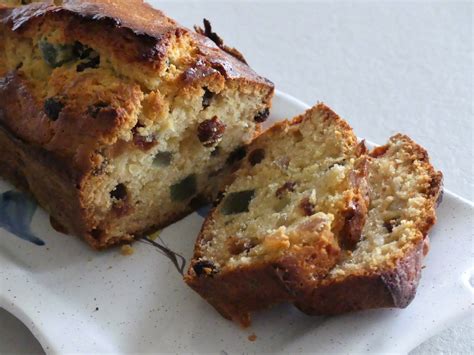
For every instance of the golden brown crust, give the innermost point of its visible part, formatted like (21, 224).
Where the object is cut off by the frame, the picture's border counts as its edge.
(148, 29)
(237, 293)
(394, 287)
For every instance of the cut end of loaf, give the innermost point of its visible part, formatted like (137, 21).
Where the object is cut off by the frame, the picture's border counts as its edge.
(145, 125)
(292, 204)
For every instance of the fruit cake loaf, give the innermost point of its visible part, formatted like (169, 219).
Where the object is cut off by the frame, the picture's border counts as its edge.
(117, 121)
(297, 199)
(385, 267)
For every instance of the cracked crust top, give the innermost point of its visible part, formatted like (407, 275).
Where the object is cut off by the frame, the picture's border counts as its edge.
(137, 49)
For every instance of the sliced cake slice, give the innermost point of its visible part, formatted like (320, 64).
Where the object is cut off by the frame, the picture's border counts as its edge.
(385, 267)
(298, 197)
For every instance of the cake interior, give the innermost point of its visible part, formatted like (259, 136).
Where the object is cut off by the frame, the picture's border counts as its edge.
(291, 189)
(399, 200)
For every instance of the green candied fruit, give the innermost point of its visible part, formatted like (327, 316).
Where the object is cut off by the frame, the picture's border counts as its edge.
(184, 189)
(162, 159)
(237, 202)
(56, 55)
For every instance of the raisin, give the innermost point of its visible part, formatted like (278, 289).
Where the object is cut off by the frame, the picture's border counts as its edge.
(162, 159)
(94, 110)
(204, 267)
(210, 131)
(56, 55)
(237, 155)
(53, 107)
(207, 97)
(144, 142)
(184, 189)
(262, 116)
(256, 156)
(81, 51)
(389, 225)
(92, 63)
(119, 192)
(287, 186)
(237, 246)
(307, 206)
(237, 202)
(96, 233)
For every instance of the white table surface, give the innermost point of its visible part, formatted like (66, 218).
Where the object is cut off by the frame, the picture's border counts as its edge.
(386, 67)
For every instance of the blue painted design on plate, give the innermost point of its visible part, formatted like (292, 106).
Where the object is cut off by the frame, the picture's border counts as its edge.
(204, 210)
(16, 213)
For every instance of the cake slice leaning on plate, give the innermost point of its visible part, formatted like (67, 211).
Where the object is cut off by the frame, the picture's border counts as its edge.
(384, 268)
(117, 119)
(297, 200)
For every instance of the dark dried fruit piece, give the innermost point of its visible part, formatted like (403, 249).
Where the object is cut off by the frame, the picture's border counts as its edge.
(207, 97)
(237, 245)
(389, 225)
(92, 63)
(287, 186)
(184, 189)
(144, 142)
(96, 233)
(81, 51)
(237, 155)
(56, 55)
(256, 156)
(307, 207)
(204, 267)
(210, 131)
(119, 192)
(162, 159)
(262, 116)
(93, 110)
(237, 202)
(53, 107)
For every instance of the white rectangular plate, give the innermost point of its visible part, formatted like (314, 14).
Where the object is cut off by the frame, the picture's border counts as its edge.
(74, 299)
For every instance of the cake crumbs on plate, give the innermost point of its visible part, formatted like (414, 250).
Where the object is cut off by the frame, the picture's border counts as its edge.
(252, 337)
(126, 250)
